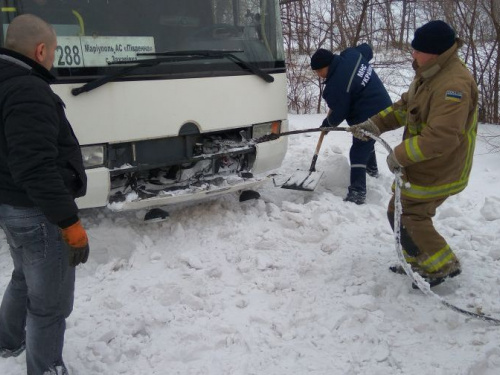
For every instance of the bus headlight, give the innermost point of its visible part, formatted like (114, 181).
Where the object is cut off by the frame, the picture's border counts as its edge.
(266, 128)
(93, 156)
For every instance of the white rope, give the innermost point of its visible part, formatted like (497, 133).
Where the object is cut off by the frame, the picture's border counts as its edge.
(417, 279)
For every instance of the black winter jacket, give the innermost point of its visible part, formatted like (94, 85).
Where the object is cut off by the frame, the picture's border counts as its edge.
(40, 158)
(353, 91)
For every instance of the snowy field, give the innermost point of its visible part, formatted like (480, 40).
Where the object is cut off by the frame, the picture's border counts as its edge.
(294, 283)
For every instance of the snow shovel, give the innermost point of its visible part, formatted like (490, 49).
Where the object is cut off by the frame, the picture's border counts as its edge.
(306, 180)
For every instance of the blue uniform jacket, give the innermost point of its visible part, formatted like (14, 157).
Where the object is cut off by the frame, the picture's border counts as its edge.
(353, 91)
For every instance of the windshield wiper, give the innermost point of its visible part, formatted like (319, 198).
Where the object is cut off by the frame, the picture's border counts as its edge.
(216, 54)
(89, 86)
(171, 56)
(193, 52)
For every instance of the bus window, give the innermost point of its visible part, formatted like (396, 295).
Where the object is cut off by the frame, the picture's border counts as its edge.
(64, 16)
(98, 29)
(169, 129)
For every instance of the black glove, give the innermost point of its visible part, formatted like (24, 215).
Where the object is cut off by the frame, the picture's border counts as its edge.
(325, 123)
(78, 243)
(78, 255)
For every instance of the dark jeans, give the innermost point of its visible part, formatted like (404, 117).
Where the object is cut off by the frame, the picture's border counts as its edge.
(39, 297)
(362, 157)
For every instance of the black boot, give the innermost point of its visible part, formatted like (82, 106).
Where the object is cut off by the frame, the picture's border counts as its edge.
(355, 197)
(435, 281)
(372, 172)
(6, 353)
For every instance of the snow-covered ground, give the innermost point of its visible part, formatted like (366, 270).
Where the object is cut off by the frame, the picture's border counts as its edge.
(293, 283)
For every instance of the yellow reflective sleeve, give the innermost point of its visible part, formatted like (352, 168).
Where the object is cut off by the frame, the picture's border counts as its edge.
(386, 111)
(398, 114)
(432, 192)
(400, 117)
(413, 150)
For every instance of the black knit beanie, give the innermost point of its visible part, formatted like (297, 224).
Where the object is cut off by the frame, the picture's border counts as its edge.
(321, 58)
(434, 37)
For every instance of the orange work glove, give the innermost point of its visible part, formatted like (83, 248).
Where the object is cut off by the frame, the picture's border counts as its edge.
(76, 238)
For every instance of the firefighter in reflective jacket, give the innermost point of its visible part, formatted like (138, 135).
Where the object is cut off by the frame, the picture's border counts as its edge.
(439, 115)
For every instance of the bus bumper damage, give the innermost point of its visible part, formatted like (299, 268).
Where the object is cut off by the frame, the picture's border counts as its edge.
(152, 196)
(227, 169)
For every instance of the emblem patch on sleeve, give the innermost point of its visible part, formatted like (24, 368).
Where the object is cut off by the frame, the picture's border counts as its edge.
(454, 96)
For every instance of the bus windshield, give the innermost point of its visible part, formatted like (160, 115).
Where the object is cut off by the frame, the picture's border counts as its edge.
(96, 35)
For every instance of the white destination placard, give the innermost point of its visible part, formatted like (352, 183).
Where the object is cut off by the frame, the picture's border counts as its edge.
(88, 51)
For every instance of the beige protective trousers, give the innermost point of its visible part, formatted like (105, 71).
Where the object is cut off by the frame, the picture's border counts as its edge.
(422, 244)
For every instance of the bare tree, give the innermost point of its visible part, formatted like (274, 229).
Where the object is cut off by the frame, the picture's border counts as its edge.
(388, 25)
(478, 24)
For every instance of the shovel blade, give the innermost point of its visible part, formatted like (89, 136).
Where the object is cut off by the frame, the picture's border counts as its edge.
(303, 180)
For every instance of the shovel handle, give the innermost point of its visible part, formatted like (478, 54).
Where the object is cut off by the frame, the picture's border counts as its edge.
(316, 152)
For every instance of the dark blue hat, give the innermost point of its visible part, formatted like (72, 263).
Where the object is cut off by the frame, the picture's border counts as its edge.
(321, 58)
(434, 37)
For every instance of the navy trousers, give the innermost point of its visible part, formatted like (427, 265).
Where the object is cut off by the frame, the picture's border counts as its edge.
(362, 158)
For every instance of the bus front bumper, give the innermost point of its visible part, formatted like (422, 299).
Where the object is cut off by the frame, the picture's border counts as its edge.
(150, 196)
(269, 157)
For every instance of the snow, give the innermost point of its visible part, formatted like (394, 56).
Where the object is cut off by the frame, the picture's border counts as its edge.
(293, 283)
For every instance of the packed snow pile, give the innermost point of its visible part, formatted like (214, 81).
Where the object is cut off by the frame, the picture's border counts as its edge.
(293, 283)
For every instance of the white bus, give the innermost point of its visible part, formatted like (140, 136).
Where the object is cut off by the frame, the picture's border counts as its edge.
(164, 95)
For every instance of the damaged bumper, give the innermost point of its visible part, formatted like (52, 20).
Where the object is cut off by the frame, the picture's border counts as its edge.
(148, 197)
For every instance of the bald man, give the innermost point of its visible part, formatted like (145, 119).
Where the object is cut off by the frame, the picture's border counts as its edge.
(41, 174)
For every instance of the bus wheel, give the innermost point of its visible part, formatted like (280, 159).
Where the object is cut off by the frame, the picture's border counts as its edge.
(156, 215)
(246, 195)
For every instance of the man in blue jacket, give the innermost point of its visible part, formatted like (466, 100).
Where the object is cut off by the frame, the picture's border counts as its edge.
(353, 92)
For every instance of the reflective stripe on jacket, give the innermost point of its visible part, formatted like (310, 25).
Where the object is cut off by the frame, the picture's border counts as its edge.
(439, 113)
